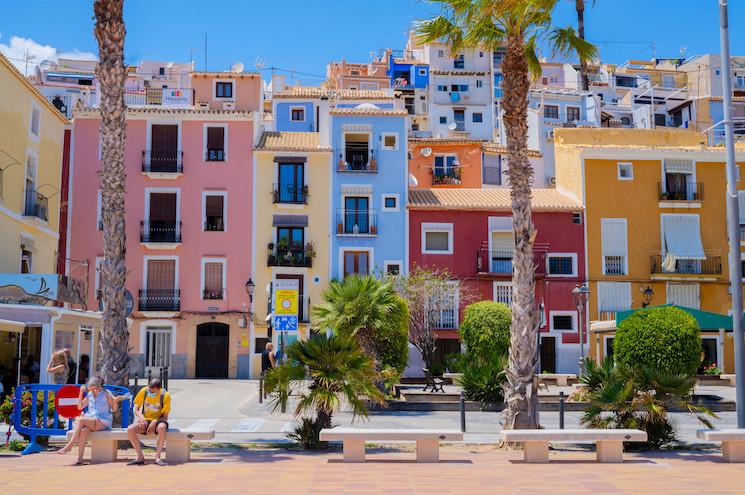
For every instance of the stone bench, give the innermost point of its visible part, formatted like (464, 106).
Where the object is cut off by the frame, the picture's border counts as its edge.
(609, 442)
(178, 443)
(731, 378)
(427, 441)
(733, 442)
(561, 379)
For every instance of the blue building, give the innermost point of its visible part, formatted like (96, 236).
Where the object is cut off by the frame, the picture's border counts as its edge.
(406, 73)
(369, 189)
(297, 109)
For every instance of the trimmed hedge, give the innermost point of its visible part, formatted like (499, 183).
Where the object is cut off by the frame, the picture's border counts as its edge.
(665, 339)
(486, 329)
(393, 341)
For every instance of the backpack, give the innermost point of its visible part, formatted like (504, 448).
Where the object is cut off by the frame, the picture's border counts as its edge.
(162, 395)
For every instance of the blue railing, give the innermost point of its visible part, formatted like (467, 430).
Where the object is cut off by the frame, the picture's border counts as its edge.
(54, 426)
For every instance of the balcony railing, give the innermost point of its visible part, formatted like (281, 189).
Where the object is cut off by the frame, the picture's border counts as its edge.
(446, 319)
(214, 224)
(357, 161)
(214, 155)
(446, 177)
(163, 161)
(213, 294)
(496, 262)
(159, 300)
(711, 265)
(356, 222)
(165, 231)
(689, 191)
(492, 176)
(290, 193)
(615, 265)
(35, 205)
(167, 97)
(283, 256)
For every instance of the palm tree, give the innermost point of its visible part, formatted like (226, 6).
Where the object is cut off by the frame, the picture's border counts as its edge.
(368, 309)
(340, 372)
(519, 26)
(111, 71)
(579, 6)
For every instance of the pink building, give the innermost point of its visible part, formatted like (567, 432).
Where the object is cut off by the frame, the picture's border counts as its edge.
(189, 201)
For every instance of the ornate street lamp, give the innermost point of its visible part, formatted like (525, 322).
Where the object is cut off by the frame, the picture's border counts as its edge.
(250, 288)
(647, 295)
(581, 295)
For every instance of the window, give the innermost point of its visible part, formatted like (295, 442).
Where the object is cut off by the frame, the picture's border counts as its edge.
(443, 308)
(562, 264)
(297, 114)
(392, 267)
(562, 321)
(354, 73)
(291, 184)
(26, 259)
(478, 117)
(625, 171)
(459, 115)
(99, 208)
(356, 151)
(213, 278)
(613, 297)
(668, 81)
(422, 72)
(442, 87)
(356, 262)
(357, 215)
(686, 295)
(455, 88)
(446, 170)
(440, 53)
(290, 240)
(503, 292)
(443, 120)
(679, 183)
(479, 83)
(437, 238)
(390, 202)
(215, 138)
(390, 141)
(614, 245)
(577, 218)
(572, 114)
(223, 89)
(214, 212)
(459, 62)
(682, 248)
(35, 120)
(551, 111)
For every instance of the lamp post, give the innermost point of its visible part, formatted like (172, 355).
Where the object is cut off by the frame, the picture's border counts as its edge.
(581, 294)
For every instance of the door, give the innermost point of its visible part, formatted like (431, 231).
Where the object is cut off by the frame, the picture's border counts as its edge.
(356, 262)
(291, 183)
(157, 349)
(300, 294)
(162, 220)
(356, 214)
(711, 355)
(160, 293)
(212, 350)
(548, 354)
(164, 144)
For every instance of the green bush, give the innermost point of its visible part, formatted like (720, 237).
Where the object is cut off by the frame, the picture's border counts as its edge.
(307, 434)
(392, 341)
(666, 339)
(483, 378)
(486, 329)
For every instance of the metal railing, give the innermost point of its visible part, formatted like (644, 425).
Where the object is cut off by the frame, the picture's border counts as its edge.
(356, 222)
(213, 294)
(151, 96)
(214, 224)
(688, 191)
(497, 262)
(357, 161)
(163, 161)
(715, 133)
(160, 231)
(446, 177)
(711, 265)
(615, 265)
(159, 300)
(290, 194)
(35, 205)
(283, 256)
(214, 155)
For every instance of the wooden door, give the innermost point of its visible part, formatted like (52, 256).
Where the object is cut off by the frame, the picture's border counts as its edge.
(212, 350)
(548, 354)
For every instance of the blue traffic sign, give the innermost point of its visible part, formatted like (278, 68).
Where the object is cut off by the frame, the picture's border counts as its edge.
(285, 323)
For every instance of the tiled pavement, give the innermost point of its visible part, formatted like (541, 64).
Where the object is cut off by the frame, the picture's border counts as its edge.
(464, 470)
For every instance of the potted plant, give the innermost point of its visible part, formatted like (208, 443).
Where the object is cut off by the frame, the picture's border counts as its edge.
(310, 250)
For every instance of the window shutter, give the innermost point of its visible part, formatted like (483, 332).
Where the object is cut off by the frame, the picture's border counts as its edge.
(614, 296)
(502, 242)
(214, 206)
(614, 237)
(686, 295)
(683, 236)
(215, 138)
(437, 241)
(161, 274)
(213, 277)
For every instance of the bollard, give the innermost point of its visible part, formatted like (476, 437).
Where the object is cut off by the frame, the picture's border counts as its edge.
(149, 375)
(164, 378)
(462, 412)
(136, 378)
(261, 387)
(561, 410)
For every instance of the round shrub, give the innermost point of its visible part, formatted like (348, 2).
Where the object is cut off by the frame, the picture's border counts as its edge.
(486, 329)
(665, 339)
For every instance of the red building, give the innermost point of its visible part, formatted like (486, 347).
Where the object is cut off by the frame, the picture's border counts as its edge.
(469, 233)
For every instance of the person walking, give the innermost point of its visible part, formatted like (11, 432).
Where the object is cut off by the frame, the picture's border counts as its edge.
(152, 405)
(267, 358)
(57, 368)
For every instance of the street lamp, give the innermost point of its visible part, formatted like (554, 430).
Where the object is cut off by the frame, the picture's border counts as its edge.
(647, 295)
(250, 288)
(581, 294)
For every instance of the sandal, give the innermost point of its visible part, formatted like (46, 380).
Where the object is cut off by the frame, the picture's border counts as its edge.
(160, 462)
(79, 462)
(136, 462)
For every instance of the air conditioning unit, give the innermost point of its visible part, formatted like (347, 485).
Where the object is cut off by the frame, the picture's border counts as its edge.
(228, 105)
(203, 105)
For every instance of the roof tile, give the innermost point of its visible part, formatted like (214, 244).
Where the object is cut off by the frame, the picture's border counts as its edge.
(487, 199)
(289, 141)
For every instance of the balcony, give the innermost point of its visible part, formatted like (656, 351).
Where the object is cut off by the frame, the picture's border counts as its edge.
(214, 155)
(165, 97)
(499, 263)
(162, 162)
(283, 256)
(688, 191)
(356, 222)
(446, 177)
(355, 161)
(159, 300)
(290, 194)
(711, 265)
(160, 231)
(35, 205)
(213, 294)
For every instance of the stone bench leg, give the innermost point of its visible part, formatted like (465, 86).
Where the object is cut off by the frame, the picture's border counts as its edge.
(428, 450)
(178, 451)
(562, 381)
(354, 450)
(103, 451)
(733, 451)
(609, 451)
(535, 452)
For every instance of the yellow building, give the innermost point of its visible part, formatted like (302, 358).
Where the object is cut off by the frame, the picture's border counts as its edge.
(292, 222)
(655, 223)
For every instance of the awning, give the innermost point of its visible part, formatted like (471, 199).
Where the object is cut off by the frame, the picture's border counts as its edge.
(11, 326)
(500, 224)
(70, 74)
(678, 166)
(683, 237)
(290, 221)
(707, 321)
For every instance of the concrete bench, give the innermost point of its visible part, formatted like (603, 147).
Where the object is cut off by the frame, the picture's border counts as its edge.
(427, 441)
(178, 443)
(609, 442)
(730, 378)
(733, 442)
(561, 379)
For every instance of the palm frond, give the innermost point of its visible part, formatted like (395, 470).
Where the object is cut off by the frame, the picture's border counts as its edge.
(566, 42)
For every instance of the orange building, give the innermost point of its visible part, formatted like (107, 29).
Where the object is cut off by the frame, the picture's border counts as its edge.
(436, 162)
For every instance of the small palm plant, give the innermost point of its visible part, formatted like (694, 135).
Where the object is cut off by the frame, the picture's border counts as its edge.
(339, 372)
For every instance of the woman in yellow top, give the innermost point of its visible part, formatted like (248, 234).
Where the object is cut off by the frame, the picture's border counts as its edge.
(152, 405)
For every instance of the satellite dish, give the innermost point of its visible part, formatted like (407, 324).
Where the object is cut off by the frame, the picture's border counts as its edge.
(412, 181)
(237, 67)
(169, 65)
(426, 152)
(452, 126)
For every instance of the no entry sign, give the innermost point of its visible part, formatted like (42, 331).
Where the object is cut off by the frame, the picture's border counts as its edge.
(66, 401)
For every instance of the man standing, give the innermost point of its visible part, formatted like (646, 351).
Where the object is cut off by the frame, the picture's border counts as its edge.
(267, 358)
(152, 405)
(72, 367)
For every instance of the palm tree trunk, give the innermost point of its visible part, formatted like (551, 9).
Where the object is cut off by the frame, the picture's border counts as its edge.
(580, 6)
(521, 388)
(111, 71)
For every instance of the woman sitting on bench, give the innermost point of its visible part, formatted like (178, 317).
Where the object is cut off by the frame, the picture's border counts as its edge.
(101, 404)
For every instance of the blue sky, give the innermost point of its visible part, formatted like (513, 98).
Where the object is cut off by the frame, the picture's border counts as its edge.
(304, 35)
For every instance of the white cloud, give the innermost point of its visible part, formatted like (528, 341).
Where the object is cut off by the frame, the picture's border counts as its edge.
(19, 47)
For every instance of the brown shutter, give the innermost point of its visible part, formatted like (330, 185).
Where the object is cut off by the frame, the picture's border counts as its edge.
(162, 206)
(161, 274)
(213, 277)
(214, 206)
(215, 138)
(164, 138)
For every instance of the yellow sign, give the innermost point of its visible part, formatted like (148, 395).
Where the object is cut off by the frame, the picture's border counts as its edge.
(286, 302)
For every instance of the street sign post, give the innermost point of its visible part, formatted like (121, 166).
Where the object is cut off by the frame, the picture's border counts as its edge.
(285, 310)
(66, 402)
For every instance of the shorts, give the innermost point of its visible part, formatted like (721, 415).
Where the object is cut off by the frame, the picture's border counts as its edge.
(144, 426)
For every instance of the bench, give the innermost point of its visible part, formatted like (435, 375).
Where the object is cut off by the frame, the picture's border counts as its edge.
(731, 378)
(561, 379)
(427, 441)
(609, 442)
(432, 382)
(733, 442)
(178, 443)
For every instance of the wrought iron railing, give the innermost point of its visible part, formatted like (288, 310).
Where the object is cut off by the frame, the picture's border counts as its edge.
(163, 161)
(688, 191)
(711, 265)
(167, 231)
(445, 177)
(36, 205)
(159, 300)
(615, 265)
(283, 256)
(356, 222)
(212, 294)
(360, 161)
(290, 193)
